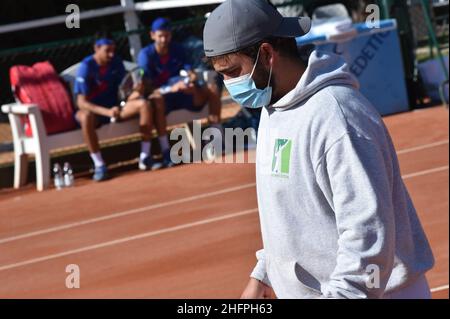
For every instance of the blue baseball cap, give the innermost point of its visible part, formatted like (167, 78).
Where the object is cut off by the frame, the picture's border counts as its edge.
(161, 24)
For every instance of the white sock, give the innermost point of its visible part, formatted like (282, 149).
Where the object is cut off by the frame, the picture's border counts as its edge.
(164, 143)
(145, 150)
(98, 159)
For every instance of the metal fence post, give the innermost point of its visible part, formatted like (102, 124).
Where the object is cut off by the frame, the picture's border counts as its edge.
(131, 24)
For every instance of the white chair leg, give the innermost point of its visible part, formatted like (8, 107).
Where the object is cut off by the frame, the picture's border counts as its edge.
(20, 156)
(42, 170)
(41, 150)
(20, 169)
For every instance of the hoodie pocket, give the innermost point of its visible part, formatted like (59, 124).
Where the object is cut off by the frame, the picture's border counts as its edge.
(307, 280)
(290, 280)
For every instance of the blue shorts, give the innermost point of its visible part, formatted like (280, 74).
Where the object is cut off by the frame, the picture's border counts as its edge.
(178, 101)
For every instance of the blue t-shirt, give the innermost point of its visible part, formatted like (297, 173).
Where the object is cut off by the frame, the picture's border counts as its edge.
(160, 69)
(99, 83)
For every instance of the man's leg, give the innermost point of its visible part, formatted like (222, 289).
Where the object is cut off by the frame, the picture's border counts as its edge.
(159, 113)
(215, 104)
(87, 122)
(142, 108)
(209, 94)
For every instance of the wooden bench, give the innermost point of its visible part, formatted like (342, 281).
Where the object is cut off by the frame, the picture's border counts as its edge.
(41, 144)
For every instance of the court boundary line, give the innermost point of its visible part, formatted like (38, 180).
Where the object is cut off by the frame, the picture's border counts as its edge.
(440, 288)
(124, 213)
(422, 147)
(165, 204)
(425, 172)
(128, 239)
(161, 205)
(161, 231)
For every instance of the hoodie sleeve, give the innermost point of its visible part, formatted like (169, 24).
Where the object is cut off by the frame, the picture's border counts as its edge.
(358, 178)
(260, 272)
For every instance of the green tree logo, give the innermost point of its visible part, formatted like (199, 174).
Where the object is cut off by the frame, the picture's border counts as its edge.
(281, 157)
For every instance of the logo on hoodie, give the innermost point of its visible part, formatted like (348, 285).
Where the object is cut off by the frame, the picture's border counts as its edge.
(281, 157)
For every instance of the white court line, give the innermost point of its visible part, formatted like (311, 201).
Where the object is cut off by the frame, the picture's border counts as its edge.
(164, 204)
(428, 171)
(171, 229)
(125, 213)
(421, 147)
(129, 238)
(440, 288)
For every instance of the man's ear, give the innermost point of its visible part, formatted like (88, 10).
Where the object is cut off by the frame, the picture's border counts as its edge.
(267, 54)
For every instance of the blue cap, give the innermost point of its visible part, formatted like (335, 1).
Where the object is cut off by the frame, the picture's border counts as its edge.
(161, 24)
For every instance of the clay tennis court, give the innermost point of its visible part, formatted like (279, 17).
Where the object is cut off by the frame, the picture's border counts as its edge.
(186, 232)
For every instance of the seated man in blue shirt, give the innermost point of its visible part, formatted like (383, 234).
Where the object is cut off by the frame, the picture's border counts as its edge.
(96, 89)
(162, 62)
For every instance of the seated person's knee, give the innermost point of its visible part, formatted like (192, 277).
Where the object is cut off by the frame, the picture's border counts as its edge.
(85, 117)
(144, 104)
(158, 102)
(157, 99)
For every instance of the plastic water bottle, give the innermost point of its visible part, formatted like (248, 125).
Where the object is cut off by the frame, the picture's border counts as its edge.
(58, 176)
(68, 175)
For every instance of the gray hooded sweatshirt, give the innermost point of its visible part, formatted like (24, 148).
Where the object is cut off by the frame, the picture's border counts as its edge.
(336, 218)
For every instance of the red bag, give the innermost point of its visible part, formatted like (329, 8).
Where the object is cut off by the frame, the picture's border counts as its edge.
(40, 84)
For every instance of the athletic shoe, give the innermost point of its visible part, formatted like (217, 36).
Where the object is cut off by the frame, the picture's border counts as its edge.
(100, 173)
(148, 164)
(167, 161)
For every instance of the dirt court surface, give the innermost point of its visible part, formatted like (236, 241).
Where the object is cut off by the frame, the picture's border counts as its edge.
(185, 232)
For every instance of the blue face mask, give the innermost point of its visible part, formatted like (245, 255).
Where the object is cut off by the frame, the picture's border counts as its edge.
(244, 91)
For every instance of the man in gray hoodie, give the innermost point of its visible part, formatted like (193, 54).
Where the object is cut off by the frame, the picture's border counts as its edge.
(336, 218)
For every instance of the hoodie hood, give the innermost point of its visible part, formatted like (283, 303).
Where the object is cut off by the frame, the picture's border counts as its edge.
(324, 69)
